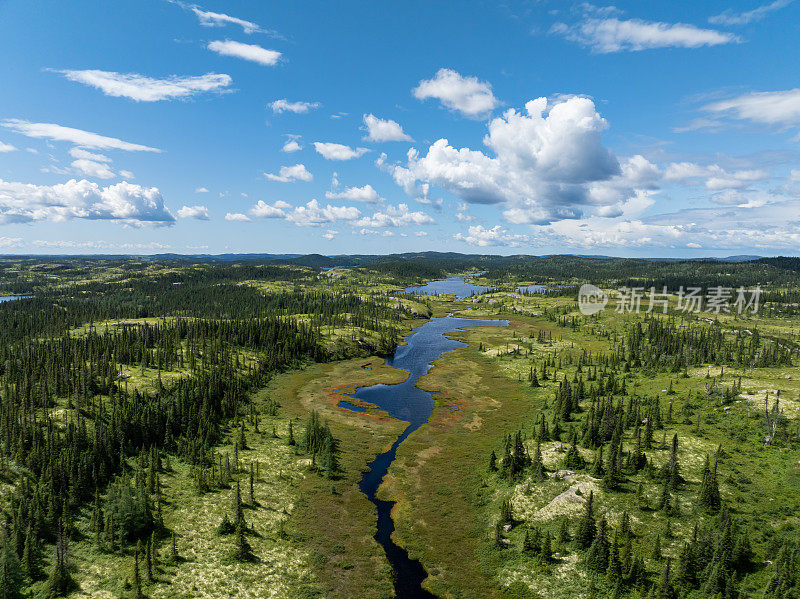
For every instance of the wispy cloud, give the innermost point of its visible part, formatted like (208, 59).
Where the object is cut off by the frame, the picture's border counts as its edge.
(292, 144)
(284, 105)
(78, 137)
(208, 18)
(779, 108)
(217, 19)
(605, 36)
(147, 89)
(730, 17)
(251, 52)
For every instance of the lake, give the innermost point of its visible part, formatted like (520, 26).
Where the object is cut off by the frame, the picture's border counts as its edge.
(455, 285)
(462, 288)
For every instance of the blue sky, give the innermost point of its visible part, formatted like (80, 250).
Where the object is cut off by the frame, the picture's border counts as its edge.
(634, 129)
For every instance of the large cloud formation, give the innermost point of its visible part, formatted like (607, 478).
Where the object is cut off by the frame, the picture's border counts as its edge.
(548, 164)
(124, 202)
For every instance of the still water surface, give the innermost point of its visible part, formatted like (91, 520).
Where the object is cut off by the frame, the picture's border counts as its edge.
(405, 401)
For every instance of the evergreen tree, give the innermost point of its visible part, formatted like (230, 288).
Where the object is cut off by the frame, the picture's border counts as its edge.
(586, 526)
(174, 558)
(598, 555)
(563, 533)
(538, 469)
(656, 555)
(330, 456)
(506, 512)
(225, 527)
(665, 590)
(137, 577)
(31, 556)
(242, 551)
(546, 548)
(60, 581)
(709, 496)
(614, 570)
(11, 573)
(597, 468)
(573, 459)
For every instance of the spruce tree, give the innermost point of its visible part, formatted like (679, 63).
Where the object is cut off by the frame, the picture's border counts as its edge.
(563, 533)
(597, 468)
(241, 550)
(506, 512)
(11, 573)
(137, 577)
(664, 589)
(546, 548)
(709, 496)
(538, 469)
(614, 570)
(174, 558)
(656, 555)
(586, 527)
(598, 555)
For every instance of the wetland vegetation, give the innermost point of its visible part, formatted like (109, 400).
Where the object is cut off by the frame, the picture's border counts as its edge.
(175, 427)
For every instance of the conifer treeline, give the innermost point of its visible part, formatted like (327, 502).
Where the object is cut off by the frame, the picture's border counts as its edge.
(71, 418)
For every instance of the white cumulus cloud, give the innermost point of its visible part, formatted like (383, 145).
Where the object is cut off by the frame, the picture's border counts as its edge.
(288, 174)
(123, 202)
(355, 194)
(395, 216)
(313, 214)
(549, 163)
(334, 151)
(237, 217)
(467, 95)
(264, 210)
(292, 144)
(380, 130)
(196, 212)
(495, 236)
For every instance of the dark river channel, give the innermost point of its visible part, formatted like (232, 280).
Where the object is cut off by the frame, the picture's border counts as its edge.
(405, 401)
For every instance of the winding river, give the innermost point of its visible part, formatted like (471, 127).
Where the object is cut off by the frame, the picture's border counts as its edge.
(406, 401)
